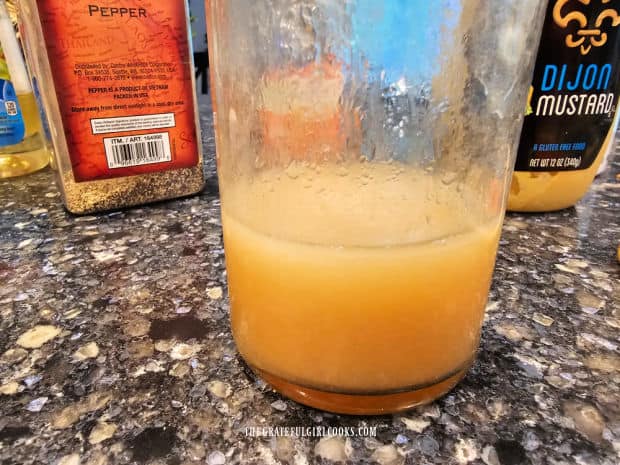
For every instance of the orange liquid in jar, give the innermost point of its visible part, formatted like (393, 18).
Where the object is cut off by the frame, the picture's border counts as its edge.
(364, 278)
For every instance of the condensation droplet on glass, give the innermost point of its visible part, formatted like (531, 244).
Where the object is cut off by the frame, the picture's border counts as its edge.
(366, 179)
(294, 170)
(342, 171)
(449, 177)
(401, 84)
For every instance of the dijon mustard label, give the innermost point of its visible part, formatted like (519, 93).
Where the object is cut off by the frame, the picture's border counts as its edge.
(574, 94)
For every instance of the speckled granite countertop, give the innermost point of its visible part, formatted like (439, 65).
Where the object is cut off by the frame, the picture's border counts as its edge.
(115, 346)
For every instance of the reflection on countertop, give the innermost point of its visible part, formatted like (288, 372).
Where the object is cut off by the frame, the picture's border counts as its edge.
(115, 345)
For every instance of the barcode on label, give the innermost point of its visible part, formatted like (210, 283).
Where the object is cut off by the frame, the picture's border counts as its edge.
(146, 149)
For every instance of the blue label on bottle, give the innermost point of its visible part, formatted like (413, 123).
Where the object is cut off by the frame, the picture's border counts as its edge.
(12, 127)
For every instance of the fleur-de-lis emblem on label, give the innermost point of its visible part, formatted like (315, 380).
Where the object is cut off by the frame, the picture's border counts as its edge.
(587, 36)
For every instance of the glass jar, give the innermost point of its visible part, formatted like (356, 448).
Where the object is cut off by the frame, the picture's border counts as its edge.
(364, 151)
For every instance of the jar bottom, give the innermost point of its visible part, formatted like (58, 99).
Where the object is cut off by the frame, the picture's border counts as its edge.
(364, 404)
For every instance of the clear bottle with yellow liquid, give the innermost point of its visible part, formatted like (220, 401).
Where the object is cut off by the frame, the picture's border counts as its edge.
(22, 142)
(569, 126)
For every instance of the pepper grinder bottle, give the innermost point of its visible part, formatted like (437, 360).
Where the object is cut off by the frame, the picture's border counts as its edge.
(117, 84)
(22, 144)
